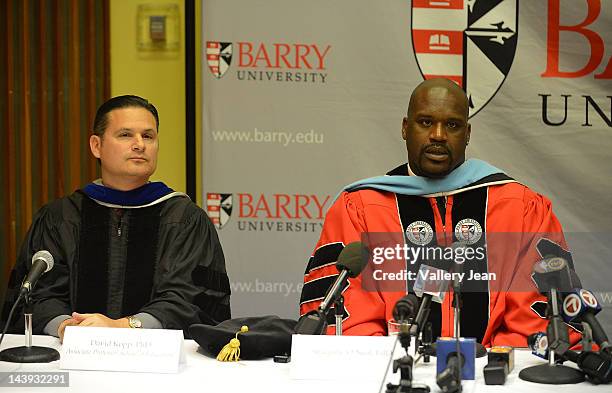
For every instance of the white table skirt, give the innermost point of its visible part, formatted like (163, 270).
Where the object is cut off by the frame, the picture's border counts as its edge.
(204, 374)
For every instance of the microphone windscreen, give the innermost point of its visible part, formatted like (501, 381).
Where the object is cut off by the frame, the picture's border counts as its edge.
(552, 272)
(406, 308)
(353, 259)
(45, 256)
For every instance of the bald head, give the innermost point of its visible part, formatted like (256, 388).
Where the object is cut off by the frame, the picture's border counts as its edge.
(436, 129)
(438, 83)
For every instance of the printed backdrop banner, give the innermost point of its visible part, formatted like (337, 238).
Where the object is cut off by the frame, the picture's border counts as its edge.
(303, 97)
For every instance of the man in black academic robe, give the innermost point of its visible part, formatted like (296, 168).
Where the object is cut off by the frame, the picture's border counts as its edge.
(127, 252)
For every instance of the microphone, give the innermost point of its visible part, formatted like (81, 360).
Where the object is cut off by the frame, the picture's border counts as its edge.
(596, 365)
(581, 305)
(448, 380)
(431, 282)
(403, 312)
(351, 261)
(454, 364)
(552, 275)
(405, 308)
(538, 343)
(42, 262)
(429, 285)
(500, 362)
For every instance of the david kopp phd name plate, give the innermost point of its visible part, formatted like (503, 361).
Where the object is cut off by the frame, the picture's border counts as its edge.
(112, 349)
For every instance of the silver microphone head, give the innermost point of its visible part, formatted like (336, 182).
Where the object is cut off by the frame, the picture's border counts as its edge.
(45, 256)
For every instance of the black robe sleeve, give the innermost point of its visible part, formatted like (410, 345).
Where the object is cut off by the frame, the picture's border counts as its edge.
(192, 284)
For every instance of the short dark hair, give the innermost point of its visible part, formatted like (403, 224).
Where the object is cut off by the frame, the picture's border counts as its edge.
(127, 101)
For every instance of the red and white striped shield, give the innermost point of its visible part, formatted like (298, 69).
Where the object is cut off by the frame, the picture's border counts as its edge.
(219, 208)
(471, 42)
(219, 57)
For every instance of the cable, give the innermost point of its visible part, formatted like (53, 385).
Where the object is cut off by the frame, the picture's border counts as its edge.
(382, 383)
(10, 316)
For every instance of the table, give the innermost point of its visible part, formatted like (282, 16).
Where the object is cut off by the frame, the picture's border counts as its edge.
(204, 374)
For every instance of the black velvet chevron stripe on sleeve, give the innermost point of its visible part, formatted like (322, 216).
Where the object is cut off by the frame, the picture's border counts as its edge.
(317, 289)
(324, 255)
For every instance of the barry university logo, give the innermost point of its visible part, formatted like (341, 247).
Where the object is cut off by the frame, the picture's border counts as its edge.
(219, 57)
(468, 231)
(219, 208)
(471, 42)
(419, 233)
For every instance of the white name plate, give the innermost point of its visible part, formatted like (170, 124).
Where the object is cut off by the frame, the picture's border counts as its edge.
(335, 357)
(112, 349)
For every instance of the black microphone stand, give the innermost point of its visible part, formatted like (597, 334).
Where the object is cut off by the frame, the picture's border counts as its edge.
(404, 365)
(420, 322)
(446, 384)
(28, 353)
(457, 322)
(426, 347)
(558, 344)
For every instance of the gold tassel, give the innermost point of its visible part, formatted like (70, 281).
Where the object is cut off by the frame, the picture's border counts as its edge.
(231, 351)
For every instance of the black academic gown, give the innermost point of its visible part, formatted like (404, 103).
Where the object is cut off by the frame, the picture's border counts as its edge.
(164, 260)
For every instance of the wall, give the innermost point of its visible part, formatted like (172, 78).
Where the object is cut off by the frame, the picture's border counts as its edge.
(300, 112)
(157, 76)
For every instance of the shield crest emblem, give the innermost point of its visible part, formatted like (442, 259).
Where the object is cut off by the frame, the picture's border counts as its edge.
(219, 57)
(471, 42)
(419, 232)
(219, 208)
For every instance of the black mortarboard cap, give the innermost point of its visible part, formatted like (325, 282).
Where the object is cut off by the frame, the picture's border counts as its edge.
(267, 336)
